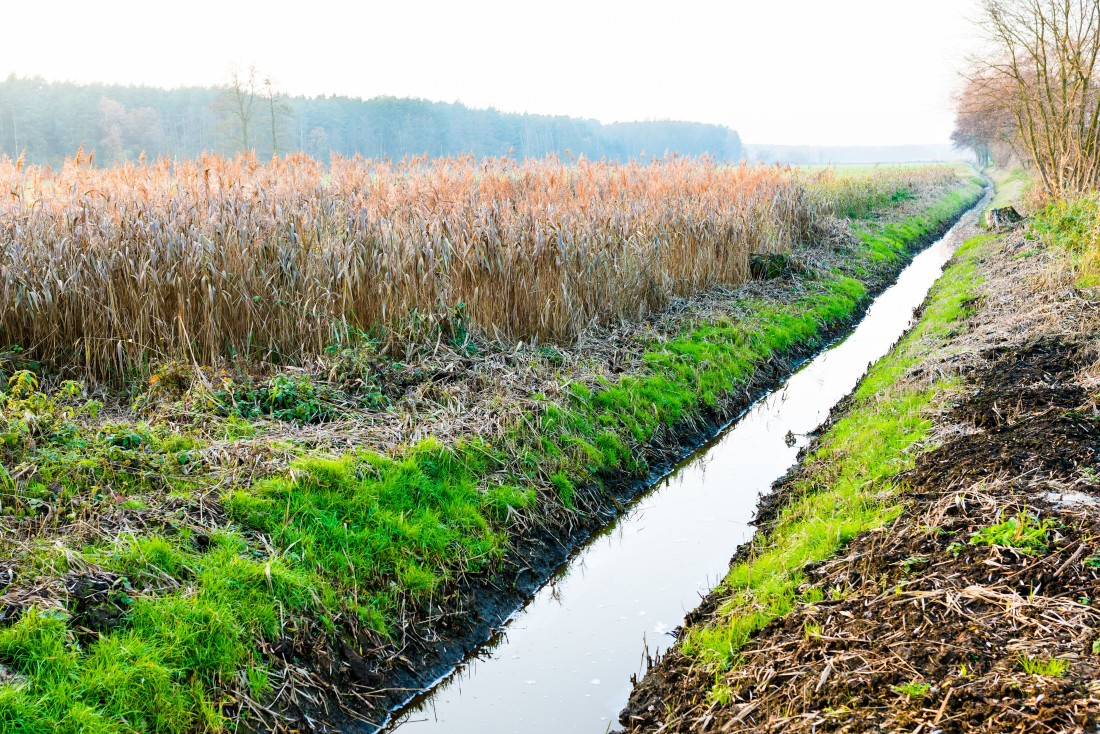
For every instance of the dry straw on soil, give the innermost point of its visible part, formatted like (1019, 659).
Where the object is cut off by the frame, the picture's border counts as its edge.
(112, 269)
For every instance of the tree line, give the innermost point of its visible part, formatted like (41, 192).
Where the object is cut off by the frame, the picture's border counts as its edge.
(46, 121)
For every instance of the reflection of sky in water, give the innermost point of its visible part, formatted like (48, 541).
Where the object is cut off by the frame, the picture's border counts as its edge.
(563, 663)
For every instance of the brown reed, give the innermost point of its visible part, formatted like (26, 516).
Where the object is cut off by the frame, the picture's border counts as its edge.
(106, 271)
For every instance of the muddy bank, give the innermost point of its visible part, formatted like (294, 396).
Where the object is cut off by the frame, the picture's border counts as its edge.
(471, 612)
(975, 608)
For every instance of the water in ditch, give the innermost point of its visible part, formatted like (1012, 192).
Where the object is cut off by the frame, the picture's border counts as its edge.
(563, 662)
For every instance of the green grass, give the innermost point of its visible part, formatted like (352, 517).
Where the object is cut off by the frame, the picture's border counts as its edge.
(374, 525)
(850, 486)
(1046, 667)
(156, 673)
(913, 689)
(1023, 532)
(1074, 226)
(1012, 187)
(350, 539)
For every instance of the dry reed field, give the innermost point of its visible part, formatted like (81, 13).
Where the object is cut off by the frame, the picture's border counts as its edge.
(106, 271)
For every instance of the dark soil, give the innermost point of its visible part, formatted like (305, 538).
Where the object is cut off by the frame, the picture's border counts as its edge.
(927, 602)
(97, 603)
(1046, 368)
(1026, 401)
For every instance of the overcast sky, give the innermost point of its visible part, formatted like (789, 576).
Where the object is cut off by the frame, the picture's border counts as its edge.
(823, 72)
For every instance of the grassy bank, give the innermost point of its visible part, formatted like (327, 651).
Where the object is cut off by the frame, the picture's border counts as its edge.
(931, 564)
(850, 485)
(1013, 187)
(162, 573)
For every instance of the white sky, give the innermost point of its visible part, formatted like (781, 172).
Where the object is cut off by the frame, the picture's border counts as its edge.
(823, 72)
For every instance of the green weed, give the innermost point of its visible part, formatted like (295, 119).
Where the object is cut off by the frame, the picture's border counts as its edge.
(1074, 227)
(1023, 532)
(913, 689)
(1046, 667)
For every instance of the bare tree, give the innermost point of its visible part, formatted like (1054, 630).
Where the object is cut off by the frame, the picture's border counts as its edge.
(985, 121)
(237, 102)
(318, 141)
(112, 124)
(1042, 70)
(277, 109)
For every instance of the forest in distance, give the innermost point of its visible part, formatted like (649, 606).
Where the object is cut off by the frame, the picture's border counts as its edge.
(47, 121)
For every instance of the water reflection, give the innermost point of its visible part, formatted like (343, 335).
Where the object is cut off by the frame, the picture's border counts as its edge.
(564, 662)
